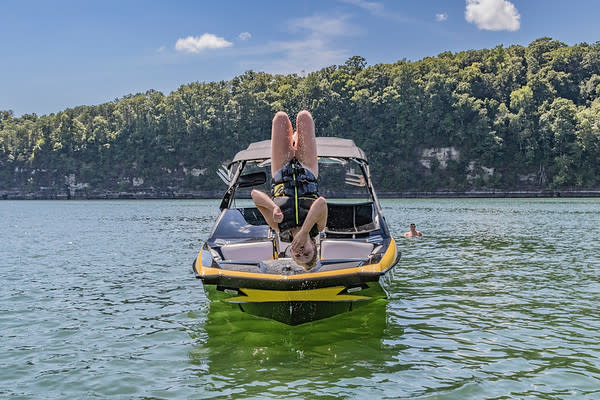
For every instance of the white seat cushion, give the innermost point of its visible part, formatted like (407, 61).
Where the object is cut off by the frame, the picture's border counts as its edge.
(248, 251)
(334, 249)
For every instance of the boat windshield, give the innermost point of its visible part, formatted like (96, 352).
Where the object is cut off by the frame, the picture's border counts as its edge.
(338, 179)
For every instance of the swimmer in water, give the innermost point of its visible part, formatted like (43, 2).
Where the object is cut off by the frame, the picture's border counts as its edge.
(413, 231)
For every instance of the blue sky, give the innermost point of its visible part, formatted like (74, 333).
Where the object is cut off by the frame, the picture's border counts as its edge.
(60, 54)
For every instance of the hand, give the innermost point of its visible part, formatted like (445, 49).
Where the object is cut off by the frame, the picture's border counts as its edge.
(300, 239)
(277, 215)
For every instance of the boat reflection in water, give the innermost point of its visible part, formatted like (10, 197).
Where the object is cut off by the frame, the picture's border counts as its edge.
(244, 264)
(239, 354)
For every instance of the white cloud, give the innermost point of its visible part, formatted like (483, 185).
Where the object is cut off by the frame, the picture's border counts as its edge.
(194, 44)
(441, 17)
(325, 26)
(378, 10)
(316, 45)
(493, 15)
(371, 6)
(293, 55)
(245, 36)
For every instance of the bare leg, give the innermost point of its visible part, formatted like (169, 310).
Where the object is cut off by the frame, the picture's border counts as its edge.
(306, 143)
(282, 148)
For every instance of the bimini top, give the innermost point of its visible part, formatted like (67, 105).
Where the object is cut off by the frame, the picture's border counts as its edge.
(326, 147)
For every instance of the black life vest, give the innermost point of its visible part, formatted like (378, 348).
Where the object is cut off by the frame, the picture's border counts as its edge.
(293, 180)
(294, 189)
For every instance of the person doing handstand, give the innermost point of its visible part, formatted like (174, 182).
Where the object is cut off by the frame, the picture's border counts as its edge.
(295, 209)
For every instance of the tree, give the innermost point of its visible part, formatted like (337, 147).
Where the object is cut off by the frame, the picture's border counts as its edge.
(558, 141)
(521, 110)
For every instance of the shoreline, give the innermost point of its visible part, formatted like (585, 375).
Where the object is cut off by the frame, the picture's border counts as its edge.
(217, 194)
(491, 194)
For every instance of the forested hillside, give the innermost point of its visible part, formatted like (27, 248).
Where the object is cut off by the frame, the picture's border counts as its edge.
(503, 118)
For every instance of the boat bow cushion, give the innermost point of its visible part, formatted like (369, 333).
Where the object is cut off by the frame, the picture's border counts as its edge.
(248, 251)
(344, 249)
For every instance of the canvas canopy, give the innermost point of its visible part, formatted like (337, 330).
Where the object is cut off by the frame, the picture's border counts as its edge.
(326, 147)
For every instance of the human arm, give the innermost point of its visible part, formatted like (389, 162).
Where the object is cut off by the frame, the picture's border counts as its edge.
(267, 208)
(316, 215)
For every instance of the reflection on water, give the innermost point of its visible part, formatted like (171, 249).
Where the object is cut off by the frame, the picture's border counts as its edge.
(239, 352)
(498, 300)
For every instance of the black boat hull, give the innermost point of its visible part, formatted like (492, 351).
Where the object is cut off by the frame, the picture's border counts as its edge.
(295, 308)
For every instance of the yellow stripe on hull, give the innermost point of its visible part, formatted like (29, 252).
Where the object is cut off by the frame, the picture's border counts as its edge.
(323, 294)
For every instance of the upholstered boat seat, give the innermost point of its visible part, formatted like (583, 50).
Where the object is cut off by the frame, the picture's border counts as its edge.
(344, 249)
(247, 251)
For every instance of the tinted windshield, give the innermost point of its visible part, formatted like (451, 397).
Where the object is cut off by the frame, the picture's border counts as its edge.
(338, 178)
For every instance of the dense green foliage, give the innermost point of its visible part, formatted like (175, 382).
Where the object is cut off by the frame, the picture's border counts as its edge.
(529, 114)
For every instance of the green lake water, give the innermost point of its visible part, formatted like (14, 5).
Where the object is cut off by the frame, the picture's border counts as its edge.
(498, 300)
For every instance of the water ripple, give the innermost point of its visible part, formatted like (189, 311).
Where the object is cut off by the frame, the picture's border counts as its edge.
(497, 300)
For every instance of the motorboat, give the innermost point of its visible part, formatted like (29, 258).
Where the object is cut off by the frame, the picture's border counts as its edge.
(245, 264)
